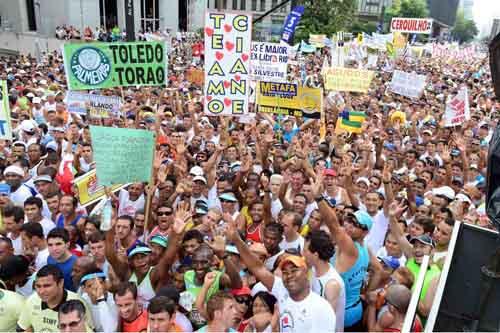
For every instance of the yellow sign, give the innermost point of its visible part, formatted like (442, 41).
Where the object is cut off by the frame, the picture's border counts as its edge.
(289, 99)
(317, 40)
(89, 191)
(348, 79)
(399, 40)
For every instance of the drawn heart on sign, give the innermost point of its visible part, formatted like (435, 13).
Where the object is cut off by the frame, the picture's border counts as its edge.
(209, 31)
(229, 46)
(244, 57)
(219, 55)
(227, 84)
(227, 101)
(237, 77)
(209, 98)
(227, 27)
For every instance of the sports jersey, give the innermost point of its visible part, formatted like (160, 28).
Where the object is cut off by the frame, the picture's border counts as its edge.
(11, 304)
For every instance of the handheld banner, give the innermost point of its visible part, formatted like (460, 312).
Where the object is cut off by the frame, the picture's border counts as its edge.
(90, 190)
(348, 79)
(411, 25)
(289, 99)
(457, 109)
(269, 62)
(107, 65)
(5, 124)
(122, 155)
(227, 62)
(291, 22)
(407, 84)
(98, 106)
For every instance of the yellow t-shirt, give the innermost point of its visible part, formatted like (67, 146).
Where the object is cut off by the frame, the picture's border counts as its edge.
(46, 319)
(11, 304)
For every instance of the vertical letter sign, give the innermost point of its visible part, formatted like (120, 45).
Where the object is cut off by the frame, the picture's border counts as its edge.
(227, 60)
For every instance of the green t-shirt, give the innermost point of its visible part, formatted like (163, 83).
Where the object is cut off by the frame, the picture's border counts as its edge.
(44, 319)
(11, 304)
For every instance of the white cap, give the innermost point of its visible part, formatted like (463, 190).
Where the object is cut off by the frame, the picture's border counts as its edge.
(200, 178)
(445, 191)
(30, 95)
(196, 171)
(51, 145)
(37, 100)
(43, 178)
(14, 169)
(363, 180)
(27, 126)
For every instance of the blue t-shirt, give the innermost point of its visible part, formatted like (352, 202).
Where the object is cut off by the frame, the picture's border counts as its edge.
(66, 268)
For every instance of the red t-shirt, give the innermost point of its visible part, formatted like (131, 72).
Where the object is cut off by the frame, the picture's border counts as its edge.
(140, 324)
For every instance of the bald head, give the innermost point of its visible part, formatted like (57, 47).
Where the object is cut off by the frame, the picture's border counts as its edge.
(82, 264)
(398, 296)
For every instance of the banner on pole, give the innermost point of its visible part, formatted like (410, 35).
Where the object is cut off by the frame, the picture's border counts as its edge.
(348, 79)
(289, 99)
(227, 59)
(90, 190)
(269, 62)
(107, 65)
(407, 84)
(291, 22)
(5, 124)
(411, 25)
(98, 106)
(457, 109)
(122, 155)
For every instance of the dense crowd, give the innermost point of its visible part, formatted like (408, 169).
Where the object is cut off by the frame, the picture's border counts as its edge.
(258, 226)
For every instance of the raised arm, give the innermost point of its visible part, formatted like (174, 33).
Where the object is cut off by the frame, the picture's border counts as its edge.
(395, 210)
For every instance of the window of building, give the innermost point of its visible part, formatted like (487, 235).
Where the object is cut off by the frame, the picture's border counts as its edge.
(30, 8)
(254, 5)
(235, 4)
(262, 5)
(150, 20)
(243, 4)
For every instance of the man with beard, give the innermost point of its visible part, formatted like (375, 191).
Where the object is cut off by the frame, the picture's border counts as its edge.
(19, 192)
(301, 310)
(40, 311)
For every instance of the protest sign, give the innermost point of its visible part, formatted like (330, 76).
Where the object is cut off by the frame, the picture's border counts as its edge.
(348, 79)
(289, 99)
(107, 65)
(195, 76)
(5, 124)
(457, 109)
(317, 40)
(411, 25)
(227, 59)
(90, 190)
(291, 22)
(122, 155)
(98, 106)
(269, 62)
(407, 84)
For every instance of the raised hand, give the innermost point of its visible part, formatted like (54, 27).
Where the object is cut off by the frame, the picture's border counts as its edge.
(396, 209)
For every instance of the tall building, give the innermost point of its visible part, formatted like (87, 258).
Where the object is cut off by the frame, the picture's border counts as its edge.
(466, 6)
(372, 10)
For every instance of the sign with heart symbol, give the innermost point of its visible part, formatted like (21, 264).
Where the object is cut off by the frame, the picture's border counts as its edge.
(227, 67)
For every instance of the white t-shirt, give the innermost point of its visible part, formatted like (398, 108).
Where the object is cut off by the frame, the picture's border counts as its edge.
(20, 195)
(375, 238)
(318, 286)
(127, 206)
(41, 258)
(17, 244)
(276, 208)
(312, 314)
(296, 244)
(47, 225)
(269, 263)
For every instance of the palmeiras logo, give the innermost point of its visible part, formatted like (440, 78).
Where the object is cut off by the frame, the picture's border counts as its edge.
(90, 66)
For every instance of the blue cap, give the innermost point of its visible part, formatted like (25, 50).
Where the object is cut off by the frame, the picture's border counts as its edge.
(4, 189)
(139, 250)
(228, 196)
(419, 201)
(159, 240)
(390, 261)
(363, 218)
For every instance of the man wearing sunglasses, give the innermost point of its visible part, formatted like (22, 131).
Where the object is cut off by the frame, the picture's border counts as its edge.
(71, 317)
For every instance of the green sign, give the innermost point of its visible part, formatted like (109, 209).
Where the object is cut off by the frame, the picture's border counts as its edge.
(122, 155)
(107, 65)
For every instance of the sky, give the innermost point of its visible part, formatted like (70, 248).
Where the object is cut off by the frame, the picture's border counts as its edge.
(484, 11)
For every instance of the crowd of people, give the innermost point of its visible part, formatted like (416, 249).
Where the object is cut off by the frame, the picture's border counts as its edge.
(258, 226)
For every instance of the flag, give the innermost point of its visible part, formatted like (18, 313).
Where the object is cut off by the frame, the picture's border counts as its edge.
(351, 121)
(306, 48)
(391, 52)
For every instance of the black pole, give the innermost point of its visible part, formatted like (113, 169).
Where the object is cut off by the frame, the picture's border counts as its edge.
(129, 20)
(278, 6)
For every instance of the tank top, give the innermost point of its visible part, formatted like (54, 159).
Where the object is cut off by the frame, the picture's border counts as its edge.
(145, 290)
(432, 272)
(60, 221)
(194, 289)
(254, 235)
(353, 281)
(318, 286)
(140, 324)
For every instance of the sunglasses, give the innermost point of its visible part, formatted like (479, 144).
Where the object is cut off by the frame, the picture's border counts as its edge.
(243, 300)
(71, 324)
(164, 213)
(356, 223)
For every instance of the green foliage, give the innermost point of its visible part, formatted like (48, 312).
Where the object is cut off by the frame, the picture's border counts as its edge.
(464, 30)
(406, 8)
(325, 17)
(363, 26)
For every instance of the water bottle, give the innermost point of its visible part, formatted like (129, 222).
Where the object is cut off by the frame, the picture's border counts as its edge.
(106, 215)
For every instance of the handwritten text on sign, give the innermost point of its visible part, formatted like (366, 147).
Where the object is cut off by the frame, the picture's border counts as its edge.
(269, 62)
(122, 155)
(457, 109)
(227, 60)
(407, 84)
(348, 79)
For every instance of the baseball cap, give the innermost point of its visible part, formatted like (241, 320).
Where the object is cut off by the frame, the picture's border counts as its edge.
(14, 169)
(139, 250)
(389, 261)
(4, 189)
(43, 178)
(201, 179)
(37, 100)
(329, 172)
(363, 218)
(232, 249)
(445, 191)
(159, 240)
(243, 291)
(424, 239)
(51, 145)
(296, 260)
(228, 196)
(196, 171)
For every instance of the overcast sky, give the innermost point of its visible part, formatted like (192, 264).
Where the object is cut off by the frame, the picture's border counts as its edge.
(484, 12)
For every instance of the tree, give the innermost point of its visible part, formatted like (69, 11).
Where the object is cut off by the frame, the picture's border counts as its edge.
(406, 8)
(325, 17)
(464, 30)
